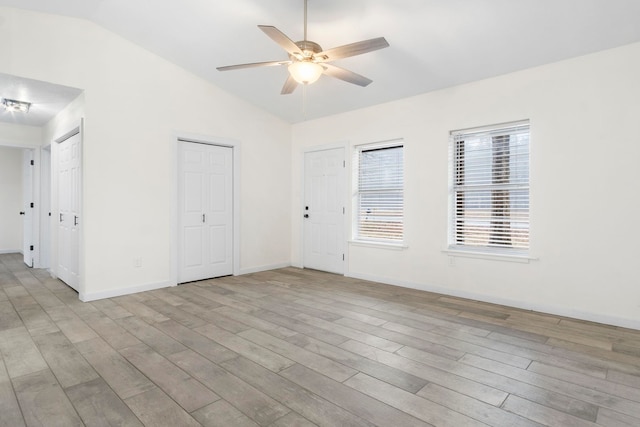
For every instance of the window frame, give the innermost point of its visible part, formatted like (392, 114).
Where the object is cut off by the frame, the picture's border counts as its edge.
(454, 246)
(357, 236)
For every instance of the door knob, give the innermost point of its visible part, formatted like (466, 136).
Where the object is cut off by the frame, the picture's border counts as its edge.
(21, 213)
(306, 215)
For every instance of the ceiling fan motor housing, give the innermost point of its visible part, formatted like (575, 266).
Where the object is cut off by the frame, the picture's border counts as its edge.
(309, 49)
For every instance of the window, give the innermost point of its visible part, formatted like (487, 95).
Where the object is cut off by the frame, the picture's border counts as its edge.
(378, 196)
(490, 189)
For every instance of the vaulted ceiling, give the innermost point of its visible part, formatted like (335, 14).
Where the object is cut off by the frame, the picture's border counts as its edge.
(433, 43)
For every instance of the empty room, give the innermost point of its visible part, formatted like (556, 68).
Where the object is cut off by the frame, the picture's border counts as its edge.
(319, 212)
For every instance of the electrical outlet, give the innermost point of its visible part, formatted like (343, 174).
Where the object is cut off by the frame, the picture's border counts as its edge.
(137, 262)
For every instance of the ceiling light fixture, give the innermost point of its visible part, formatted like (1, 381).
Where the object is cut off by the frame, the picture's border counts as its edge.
(13, 105)
(305, 72)
(308, 61)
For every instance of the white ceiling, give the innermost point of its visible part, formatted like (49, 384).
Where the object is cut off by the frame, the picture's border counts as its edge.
(46, 99)
(433, 43)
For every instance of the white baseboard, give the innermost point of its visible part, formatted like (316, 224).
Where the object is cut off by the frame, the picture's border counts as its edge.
(524, 305)
(264, 268)
(92, 296)
(86, 297)
(10, 251)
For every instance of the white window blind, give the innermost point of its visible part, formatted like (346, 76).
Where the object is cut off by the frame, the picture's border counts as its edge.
(490, 191)
(379, 196)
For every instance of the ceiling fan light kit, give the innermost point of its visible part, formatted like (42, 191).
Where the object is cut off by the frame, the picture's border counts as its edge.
(307, 61)
(305, 72)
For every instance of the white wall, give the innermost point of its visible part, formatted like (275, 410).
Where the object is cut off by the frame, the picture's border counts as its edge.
(12, 135)
(585, 175)
(10, 200)
(134, 102)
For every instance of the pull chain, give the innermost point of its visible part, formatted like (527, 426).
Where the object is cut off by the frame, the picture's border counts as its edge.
(304, 102)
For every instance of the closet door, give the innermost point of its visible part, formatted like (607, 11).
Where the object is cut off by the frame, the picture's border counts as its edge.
(205, 210)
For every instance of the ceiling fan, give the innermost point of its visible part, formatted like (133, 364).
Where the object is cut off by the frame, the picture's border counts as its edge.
(307, 61)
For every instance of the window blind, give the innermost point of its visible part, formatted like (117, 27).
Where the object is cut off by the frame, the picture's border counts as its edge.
(490, 190)
(380, 193)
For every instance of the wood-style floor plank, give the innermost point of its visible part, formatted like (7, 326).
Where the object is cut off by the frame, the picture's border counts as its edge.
(43, 402)
(310, 405)
(256, 405)
(98, 405)
(9, 408)
(186, 391)
(410, 403)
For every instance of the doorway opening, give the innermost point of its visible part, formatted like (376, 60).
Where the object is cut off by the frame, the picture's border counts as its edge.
(19, 202)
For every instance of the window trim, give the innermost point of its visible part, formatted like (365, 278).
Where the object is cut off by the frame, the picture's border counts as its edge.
(366, 241)
(487, 252)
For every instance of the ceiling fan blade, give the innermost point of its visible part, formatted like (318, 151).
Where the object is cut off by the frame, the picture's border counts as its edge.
(289, 86)
(353, 49)
(253, 65)
(346, 75)
(279, 37)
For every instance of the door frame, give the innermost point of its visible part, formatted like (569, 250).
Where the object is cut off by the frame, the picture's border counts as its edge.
(35, 185)
(175, 233)
(347, 184)
(45, 208)
(77, 128)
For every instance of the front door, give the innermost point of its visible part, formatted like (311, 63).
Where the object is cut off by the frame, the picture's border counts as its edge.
(205, 211)
(323, 210)
(69, 211)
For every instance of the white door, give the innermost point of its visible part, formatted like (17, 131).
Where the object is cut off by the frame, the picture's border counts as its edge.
(205, 211)
(27, 207)
(68, 217)
(323, 210)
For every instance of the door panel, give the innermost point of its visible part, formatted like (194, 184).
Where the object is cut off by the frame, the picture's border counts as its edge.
(193, 246)
(205, 211)
(218, 242)
(324, 194)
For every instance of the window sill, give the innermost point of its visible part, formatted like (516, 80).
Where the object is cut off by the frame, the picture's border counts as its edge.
(379, 245)
(494, 256)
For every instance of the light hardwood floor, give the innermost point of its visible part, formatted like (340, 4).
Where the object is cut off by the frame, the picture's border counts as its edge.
(296, 347)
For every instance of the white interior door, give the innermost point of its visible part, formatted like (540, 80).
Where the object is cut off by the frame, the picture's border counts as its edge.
(205, 211)
(69, 211)
(27, 207)
(324, 210)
